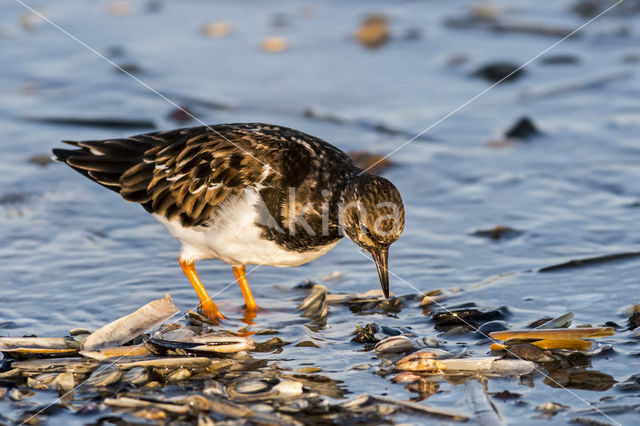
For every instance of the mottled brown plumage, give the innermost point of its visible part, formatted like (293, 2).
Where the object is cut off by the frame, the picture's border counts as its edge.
(298, 191)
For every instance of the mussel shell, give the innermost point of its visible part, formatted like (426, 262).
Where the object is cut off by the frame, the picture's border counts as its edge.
(42, 381)
(468, 313)
(38, 345)
(178, 375)
(203, 344)
(315, 304)
(213, 388)
(254, 385)
(136, 376)
(251, 389)
(394, 345)
(104, 375)
(489, 327)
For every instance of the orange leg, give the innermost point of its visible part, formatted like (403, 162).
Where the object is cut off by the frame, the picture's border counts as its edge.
(249, 301)
(209, 309)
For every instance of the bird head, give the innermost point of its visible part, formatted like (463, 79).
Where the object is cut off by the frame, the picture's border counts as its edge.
(372, 216)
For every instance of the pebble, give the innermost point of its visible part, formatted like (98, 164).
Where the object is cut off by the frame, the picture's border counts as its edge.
(500, 72)
(523, 129)
(218, 29)
(120, 8)
(373, 32)
(274, 44)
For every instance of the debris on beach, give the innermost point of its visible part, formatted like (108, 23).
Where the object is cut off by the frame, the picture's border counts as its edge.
(315, 304)
(373, 32)
(499, 72)
(218, 29)
(497, 232)
(552, 338)
(126, 328)
(274, 44)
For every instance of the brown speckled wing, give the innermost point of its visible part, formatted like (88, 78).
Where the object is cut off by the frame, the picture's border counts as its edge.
(187, 174)
(190, 177)
(182, 174)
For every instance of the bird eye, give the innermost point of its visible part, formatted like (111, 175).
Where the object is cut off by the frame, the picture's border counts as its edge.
(365, 230)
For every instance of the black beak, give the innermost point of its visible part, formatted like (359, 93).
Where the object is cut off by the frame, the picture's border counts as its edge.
(381, 256)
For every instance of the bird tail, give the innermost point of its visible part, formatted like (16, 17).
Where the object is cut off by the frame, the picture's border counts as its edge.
(104, 162)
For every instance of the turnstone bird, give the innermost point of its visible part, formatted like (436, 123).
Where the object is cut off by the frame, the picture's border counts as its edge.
(247, 193)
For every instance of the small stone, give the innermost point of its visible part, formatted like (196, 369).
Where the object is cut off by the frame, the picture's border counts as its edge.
(274, 44)
(120, 8)
(499, 72)
(587, 8)
(560, 60)
(41, 160)
(498, 232)
(551, 407)
(307, 344)
(30, 20)
(373, 32)
(217, 29)
(523, 129)
(129, 68)
(505, 395)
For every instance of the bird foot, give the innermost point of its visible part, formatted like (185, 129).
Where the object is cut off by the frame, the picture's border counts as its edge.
(211, 311)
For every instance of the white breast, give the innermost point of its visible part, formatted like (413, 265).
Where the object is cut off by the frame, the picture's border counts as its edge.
(234, 238)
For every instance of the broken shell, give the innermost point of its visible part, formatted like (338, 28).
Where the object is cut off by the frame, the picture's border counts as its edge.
(66, 383)
(394, 345)
(367, 296)
(252, 386)
(418, 361)
(179, 374)
(555, 334)
(563, 321)
(551, 407)
(120, 352)
(252, 389)
(55, 365)
(570, 344)
(487, 365)
(104, 376)
(287, 389)
(126, 328)
(530, 352)
(15, 394)
(213, 388)
(405, 377)
(170, 362)
(136, 376)
(79, 332)
(36, 345)
(126, 402)
(468, 314)
(42, 381)
(425, 362)
(208, 343)
(315, 304)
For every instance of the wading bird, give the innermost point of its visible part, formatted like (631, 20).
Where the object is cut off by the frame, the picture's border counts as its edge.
(247, 193)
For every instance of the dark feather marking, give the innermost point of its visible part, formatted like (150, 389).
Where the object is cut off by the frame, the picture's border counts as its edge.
(142, 166)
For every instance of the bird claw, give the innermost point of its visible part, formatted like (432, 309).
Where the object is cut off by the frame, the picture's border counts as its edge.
(212, 312)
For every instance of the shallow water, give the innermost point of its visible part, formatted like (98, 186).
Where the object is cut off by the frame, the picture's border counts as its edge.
(73, 254)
